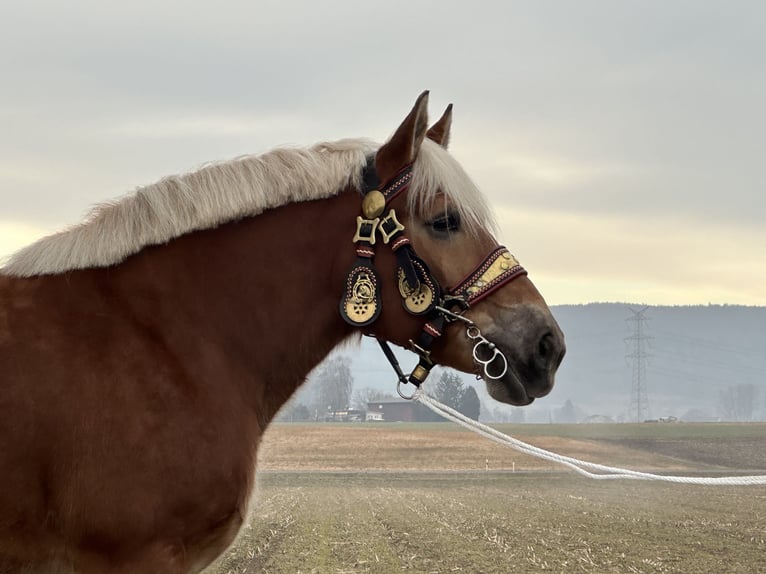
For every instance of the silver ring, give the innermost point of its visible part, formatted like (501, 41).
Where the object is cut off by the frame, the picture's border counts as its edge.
(485, 363)
(401, 394)
(473, 333)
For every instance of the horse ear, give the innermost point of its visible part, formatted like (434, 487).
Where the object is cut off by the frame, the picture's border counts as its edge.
(404, 145)
(439, 132)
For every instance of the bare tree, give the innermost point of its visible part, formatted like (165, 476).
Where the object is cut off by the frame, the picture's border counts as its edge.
(737, 403)
(334, 383)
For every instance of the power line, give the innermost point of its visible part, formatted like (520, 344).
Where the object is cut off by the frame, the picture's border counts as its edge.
(639, 401)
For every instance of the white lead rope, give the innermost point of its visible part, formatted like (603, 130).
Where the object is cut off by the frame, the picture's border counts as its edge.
(602, 472)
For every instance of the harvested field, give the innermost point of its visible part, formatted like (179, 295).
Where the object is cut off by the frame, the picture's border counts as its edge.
(418, 498)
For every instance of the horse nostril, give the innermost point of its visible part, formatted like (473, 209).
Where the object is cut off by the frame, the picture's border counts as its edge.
(545, 346)
(550, 349)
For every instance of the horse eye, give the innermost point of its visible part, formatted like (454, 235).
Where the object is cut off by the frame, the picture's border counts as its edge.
(449, 223)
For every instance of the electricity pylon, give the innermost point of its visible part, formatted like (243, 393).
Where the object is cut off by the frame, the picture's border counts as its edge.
(639, 402)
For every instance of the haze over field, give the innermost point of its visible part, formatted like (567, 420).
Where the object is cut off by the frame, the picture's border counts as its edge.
(695, 356)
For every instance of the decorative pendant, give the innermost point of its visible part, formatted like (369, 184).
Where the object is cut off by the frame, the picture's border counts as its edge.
(417, 301)
(361, 302)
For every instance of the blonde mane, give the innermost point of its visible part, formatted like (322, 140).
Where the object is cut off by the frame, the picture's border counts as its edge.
(227, 191)
(436, 172)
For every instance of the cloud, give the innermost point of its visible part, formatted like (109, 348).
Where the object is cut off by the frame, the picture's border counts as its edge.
(573, 257)
(596, 117)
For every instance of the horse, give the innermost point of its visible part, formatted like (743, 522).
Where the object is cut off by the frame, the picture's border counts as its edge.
(144, 351)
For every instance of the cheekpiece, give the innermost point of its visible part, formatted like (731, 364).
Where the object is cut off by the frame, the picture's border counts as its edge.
(361, 302)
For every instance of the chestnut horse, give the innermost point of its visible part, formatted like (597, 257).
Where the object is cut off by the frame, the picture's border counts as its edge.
(144, 351)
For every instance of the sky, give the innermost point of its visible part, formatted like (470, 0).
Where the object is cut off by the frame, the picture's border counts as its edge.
(619, 143)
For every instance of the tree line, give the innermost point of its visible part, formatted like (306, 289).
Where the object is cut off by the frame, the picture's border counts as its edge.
(331, 389)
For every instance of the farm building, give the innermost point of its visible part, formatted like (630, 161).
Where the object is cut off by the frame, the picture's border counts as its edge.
(345, 416)
(398, 411)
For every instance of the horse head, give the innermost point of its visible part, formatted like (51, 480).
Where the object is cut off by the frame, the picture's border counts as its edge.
(447, 291)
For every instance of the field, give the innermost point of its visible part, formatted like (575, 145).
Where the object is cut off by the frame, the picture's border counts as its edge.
(434, 498)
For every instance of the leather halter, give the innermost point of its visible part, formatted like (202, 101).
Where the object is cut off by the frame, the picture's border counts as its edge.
(422, 295)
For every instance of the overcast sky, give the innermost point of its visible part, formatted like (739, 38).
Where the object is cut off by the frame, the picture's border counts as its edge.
(620, 143)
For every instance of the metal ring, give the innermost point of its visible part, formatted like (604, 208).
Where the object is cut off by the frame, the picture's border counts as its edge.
(473, 333)
(477, 346)
(485, 363)
(502, 373)
(401, 394)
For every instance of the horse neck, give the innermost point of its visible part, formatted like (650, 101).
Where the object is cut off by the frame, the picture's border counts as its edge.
(258, 297)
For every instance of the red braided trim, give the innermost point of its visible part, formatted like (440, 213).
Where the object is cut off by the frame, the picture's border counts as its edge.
(365, 252)
(398, 183)
(399, 243)
(431, 330)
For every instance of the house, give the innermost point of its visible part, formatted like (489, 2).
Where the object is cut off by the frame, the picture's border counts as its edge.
(398, 410)
(345, 416)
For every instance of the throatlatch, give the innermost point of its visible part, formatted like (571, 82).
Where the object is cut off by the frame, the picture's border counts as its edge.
(361, 303)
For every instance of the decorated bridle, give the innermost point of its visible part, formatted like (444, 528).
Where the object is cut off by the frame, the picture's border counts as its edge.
(421, 293)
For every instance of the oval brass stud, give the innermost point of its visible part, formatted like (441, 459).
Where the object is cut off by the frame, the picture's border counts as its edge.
(373, 204)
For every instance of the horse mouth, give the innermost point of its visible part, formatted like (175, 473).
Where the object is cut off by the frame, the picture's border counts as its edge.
(509, 389)
(519, 385)
(532, 360)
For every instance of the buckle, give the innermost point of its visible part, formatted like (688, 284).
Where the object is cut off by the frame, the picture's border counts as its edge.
(365, 229)
(390, 226)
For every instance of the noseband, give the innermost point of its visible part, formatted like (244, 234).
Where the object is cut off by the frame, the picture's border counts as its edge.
(421, 293)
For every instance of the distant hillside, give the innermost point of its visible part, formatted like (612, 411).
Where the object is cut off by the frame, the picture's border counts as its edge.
(696, 353)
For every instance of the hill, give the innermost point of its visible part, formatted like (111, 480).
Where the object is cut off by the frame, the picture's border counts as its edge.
(696, 353)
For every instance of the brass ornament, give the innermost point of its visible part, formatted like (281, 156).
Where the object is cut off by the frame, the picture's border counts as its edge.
(373, 204)
(419, 374)
(397, 227)
(361, 304)
(360, 314)
(499, 266)
(417, 301)
(363, 234)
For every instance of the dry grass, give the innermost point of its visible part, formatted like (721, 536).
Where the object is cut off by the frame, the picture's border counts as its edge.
(341, 499)
(430, 447)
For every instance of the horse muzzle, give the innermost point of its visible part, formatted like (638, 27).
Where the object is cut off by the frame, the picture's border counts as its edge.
(532, 346)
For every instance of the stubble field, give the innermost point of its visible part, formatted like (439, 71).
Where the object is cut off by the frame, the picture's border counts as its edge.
(434, 498)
